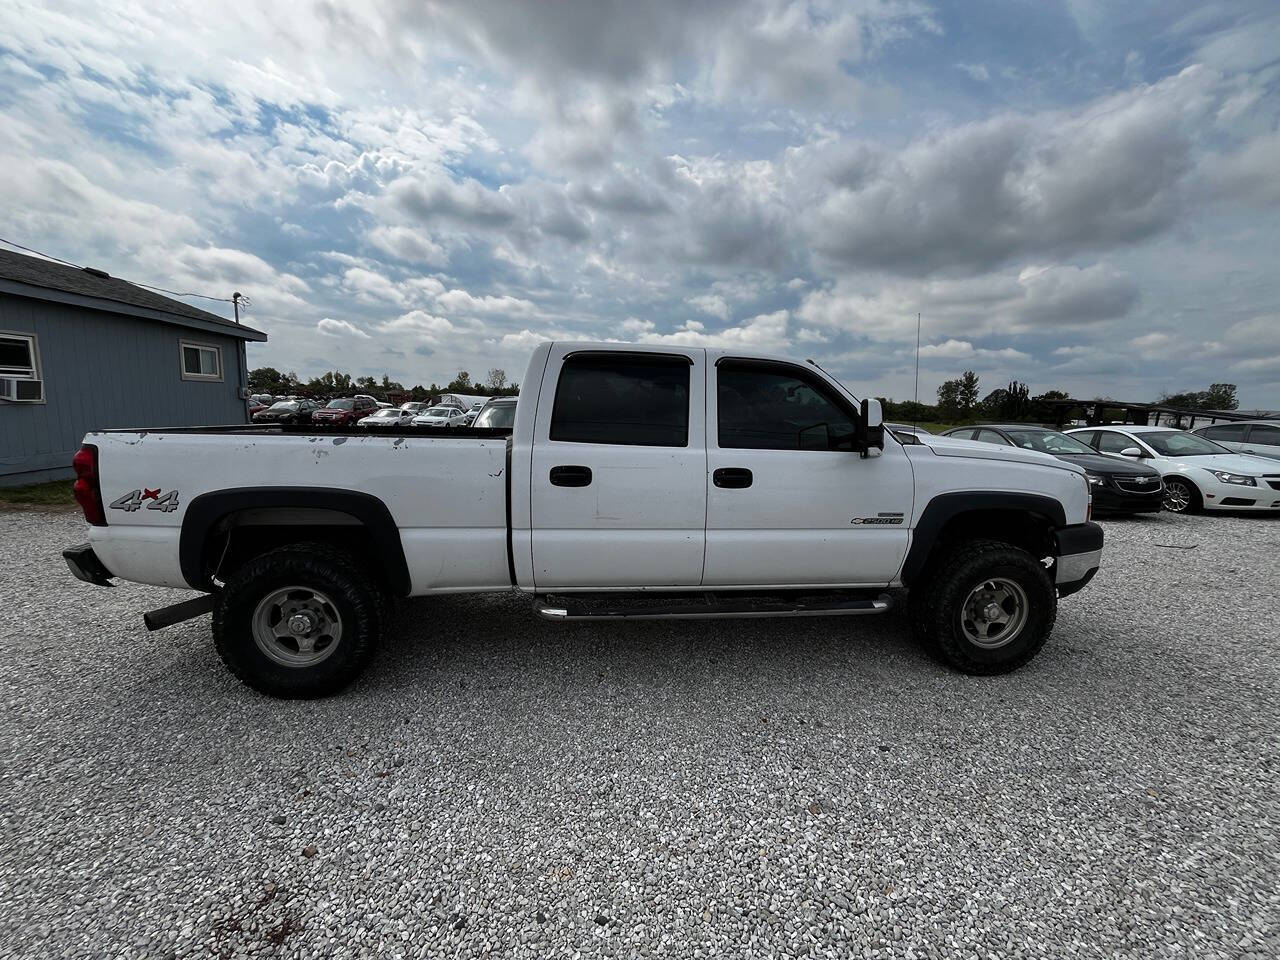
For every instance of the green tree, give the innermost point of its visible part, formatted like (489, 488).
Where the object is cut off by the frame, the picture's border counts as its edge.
(496, 380)
(1221, 396)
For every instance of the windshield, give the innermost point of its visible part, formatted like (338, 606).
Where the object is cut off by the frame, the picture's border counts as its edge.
(1047, 441)
(497, 415)
(1175, 443)
(285, 405)
(441, 412)
(388, 414)
(341, 404)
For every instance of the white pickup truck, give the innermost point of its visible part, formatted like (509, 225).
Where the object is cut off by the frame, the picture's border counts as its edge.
(646, 482)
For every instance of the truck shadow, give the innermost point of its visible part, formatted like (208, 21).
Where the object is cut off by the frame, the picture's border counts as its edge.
(492, 637)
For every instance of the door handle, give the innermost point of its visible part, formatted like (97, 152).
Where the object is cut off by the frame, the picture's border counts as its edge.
(731, 478)
(571, 476)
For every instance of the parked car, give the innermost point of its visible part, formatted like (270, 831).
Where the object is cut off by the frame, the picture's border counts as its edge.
(1117, 486)
(498, 412)
(345, 411)
(287, 411)
(1258, 438)
(254, 406)
(694, 471)
(414, 406)
(908, 433)
(390, 417)
(440, 417)
(1198, 473)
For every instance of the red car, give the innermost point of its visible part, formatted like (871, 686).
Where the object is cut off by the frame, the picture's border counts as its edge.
(344, 412)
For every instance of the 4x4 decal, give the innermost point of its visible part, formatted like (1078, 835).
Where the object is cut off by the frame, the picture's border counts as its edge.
(131, 501)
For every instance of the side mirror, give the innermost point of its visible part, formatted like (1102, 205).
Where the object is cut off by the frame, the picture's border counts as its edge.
(1131, 452)
(870, 428)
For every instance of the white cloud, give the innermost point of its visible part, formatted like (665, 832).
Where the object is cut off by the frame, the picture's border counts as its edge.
(340, 328)
(712, 304)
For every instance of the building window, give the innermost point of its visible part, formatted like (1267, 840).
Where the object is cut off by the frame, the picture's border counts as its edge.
(20, 380)
(200, 361)
(18, 356)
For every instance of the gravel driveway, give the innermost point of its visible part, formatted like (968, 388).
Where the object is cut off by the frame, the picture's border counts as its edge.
(497, 785)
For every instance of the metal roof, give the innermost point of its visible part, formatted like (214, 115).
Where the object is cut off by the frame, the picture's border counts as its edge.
(46, 280)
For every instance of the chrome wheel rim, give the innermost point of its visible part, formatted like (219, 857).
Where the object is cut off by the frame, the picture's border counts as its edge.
(297, 626)
(994, 613)
(1176, 496)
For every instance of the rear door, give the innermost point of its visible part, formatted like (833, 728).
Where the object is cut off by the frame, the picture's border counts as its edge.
(618, 486)
(1263, 440)
(788, 501)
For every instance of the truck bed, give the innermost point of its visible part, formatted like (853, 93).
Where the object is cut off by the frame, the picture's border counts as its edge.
(445, 490)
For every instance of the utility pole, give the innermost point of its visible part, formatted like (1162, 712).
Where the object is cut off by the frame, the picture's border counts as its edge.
(235, 304)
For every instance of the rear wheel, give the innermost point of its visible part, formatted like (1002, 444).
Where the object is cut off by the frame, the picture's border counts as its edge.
(297, 622)
(985, 608)
(1181, 496)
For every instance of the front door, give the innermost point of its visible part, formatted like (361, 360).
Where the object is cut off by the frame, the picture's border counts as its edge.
(788, 501)
(618, 486)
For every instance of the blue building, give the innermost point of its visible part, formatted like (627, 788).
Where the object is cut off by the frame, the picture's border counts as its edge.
(81, 350)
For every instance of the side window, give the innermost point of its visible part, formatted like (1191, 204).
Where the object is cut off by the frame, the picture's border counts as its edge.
(633, 399)
(1088, 438)
(766, 406)
(990, 436)
(1230, 432)
(200, 361)
(965, 434)
(1109, 442)
(1265, 435)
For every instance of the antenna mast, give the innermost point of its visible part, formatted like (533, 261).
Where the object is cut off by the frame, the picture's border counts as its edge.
(915, 419)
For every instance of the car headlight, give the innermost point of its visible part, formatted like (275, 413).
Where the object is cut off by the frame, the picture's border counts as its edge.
(1236, 478)
(1095, 480)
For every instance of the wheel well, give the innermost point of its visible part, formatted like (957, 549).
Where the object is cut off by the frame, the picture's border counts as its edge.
(242, 535)
(223, 529)
(1023, 528)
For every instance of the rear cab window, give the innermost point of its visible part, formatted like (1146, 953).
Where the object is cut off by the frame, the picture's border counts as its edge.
(632, 399)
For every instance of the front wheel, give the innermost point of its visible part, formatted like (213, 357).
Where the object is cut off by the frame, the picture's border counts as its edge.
(298, 622)
(986, 608)
(1181, 496)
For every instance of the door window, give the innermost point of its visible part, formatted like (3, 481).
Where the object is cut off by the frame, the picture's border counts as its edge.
(632, 399)
(1229, 432)
(1109, 442)
(1089, 438)
(775, 406)
(963, 434)
(1265, 435)
(990, 436)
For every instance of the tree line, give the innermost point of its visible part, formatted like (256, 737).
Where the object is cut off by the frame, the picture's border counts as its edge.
(336, 384)
(958, 402)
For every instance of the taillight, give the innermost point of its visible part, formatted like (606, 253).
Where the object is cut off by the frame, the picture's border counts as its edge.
(88, 492)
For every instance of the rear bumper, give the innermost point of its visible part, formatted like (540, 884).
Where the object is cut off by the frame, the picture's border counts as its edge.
(1079, 556)
(85, 565)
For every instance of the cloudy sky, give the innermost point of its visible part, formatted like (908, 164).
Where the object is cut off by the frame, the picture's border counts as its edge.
(1083, 195)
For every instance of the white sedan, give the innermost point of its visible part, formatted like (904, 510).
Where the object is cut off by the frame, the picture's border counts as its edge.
(441, 417)
(390, 417)
(1198, 473)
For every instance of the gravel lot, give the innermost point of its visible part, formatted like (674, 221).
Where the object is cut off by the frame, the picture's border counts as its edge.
(501, 786)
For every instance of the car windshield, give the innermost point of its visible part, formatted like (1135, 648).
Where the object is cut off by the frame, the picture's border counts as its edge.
(497, 415)
(1047, 441)
(387, 414)
(441, 412)
(341, 404)
(285, 405)
(1176, 443)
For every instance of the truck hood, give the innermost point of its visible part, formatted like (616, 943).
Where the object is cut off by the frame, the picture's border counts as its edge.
(975, 449)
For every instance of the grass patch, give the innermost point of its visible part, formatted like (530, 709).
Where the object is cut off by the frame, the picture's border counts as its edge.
(55, 493)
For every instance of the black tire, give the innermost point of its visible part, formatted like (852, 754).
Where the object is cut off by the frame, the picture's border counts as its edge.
(1183, 491)
(938, 602)
(354, 598)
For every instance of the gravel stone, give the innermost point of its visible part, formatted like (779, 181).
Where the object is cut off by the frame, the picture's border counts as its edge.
(497, 785)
